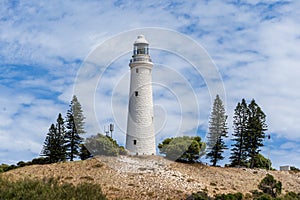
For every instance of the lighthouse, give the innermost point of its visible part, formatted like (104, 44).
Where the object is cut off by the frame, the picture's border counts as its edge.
(140, 135)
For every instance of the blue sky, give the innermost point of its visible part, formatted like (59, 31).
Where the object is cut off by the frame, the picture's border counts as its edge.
(248, 48)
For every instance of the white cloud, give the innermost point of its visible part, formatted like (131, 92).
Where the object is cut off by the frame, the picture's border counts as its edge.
(253, 43)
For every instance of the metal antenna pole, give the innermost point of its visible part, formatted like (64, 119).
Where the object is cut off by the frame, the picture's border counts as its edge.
(111, 128)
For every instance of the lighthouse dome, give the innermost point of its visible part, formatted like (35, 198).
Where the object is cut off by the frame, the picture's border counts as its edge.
(141, 40)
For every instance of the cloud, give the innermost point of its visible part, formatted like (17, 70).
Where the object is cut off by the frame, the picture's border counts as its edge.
(254, 45)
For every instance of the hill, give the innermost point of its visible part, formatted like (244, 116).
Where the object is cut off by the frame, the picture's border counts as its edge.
(153, 177)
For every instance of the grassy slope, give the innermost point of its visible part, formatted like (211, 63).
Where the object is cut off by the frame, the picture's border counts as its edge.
(153, 177)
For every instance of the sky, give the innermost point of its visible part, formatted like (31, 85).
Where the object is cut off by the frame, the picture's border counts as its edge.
(50, 51)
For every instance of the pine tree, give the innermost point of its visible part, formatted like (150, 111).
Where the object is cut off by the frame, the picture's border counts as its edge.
(255, 131)
(61, 131)
(75, 127)
(240, 123)
(249, 131)
(217, 132)
(49, 144)
(54, 148)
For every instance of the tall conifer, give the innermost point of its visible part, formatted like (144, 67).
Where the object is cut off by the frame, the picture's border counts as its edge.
(217, 132)
(249, 132)
(240, 123)
(255, 131)
(54, 145)
(75, 127)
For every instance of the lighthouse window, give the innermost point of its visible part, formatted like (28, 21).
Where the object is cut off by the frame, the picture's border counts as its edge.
(141, 51)
(136, 93)
(134, 142)
(137, 70)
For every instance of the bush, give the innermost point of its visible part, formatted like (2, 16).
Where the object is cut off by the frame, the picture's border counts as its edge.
(122, 151)
(261, 162)
(291, 196)
(270, 186)
(4, 167)
(104, 145)
(35, 161)
(264, 197)
(48, 190)
(182, 149)
(236, 196)
(199, 196)
(40, 161)
(295, 169)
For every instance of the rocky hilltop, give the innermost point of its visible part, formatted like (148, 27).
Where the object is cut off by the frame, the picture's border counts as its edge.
(153, 177)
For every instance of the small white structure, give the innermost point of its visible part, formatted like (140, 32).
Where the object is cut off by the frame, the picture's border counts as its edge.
(285, 168)
(140, 136)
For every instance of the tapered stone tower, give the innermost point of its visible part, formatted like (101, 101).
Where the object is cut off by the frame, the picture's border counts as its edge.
(140, 136)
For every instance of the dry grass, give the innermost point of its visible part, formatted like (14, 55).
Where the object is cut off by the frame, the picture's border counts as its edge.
(153, 177)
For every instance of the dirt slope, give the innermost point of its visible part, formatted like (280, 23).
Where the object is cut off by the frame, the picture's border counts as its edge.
(154, 177)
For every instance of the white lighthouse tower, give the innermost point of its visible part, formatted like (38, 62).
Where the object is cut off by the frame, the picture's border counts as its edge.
(140, 136)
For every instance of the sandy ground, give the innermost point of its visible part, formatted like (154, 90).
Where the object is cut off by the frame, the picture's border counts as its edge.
(153, 177)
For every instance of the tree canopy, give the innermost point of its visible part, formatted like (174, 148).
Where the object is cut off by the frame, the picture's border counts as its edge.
(182, 149)
(103, 145)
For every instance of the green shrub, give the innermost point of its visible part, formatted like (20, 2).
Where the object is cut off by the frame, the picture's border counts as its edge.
(40, 161)
(291, 196)
(236, 196)
(199, 196)
(4, 167)
(102, 145)
(35, 161)
(122, 150)
(261, 162)
(48, 190)
(264, 197)
(270, 186)
(295, 169)
(182, 149)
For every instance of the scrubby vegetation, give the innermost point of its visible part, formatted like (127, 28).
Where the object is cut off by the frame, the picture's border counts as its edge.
(270, 189)
(48, 189)
(104, 145)
(35, 161)
(256, 195)
(295, 169)
(5, 167)
(199, 196)
(182, 149)
(235, 196)
(204, 196)
(270, 186)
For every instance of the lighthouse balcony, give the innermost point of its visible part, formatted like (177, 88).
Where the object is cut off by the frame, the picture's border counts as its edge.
(140, 60)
